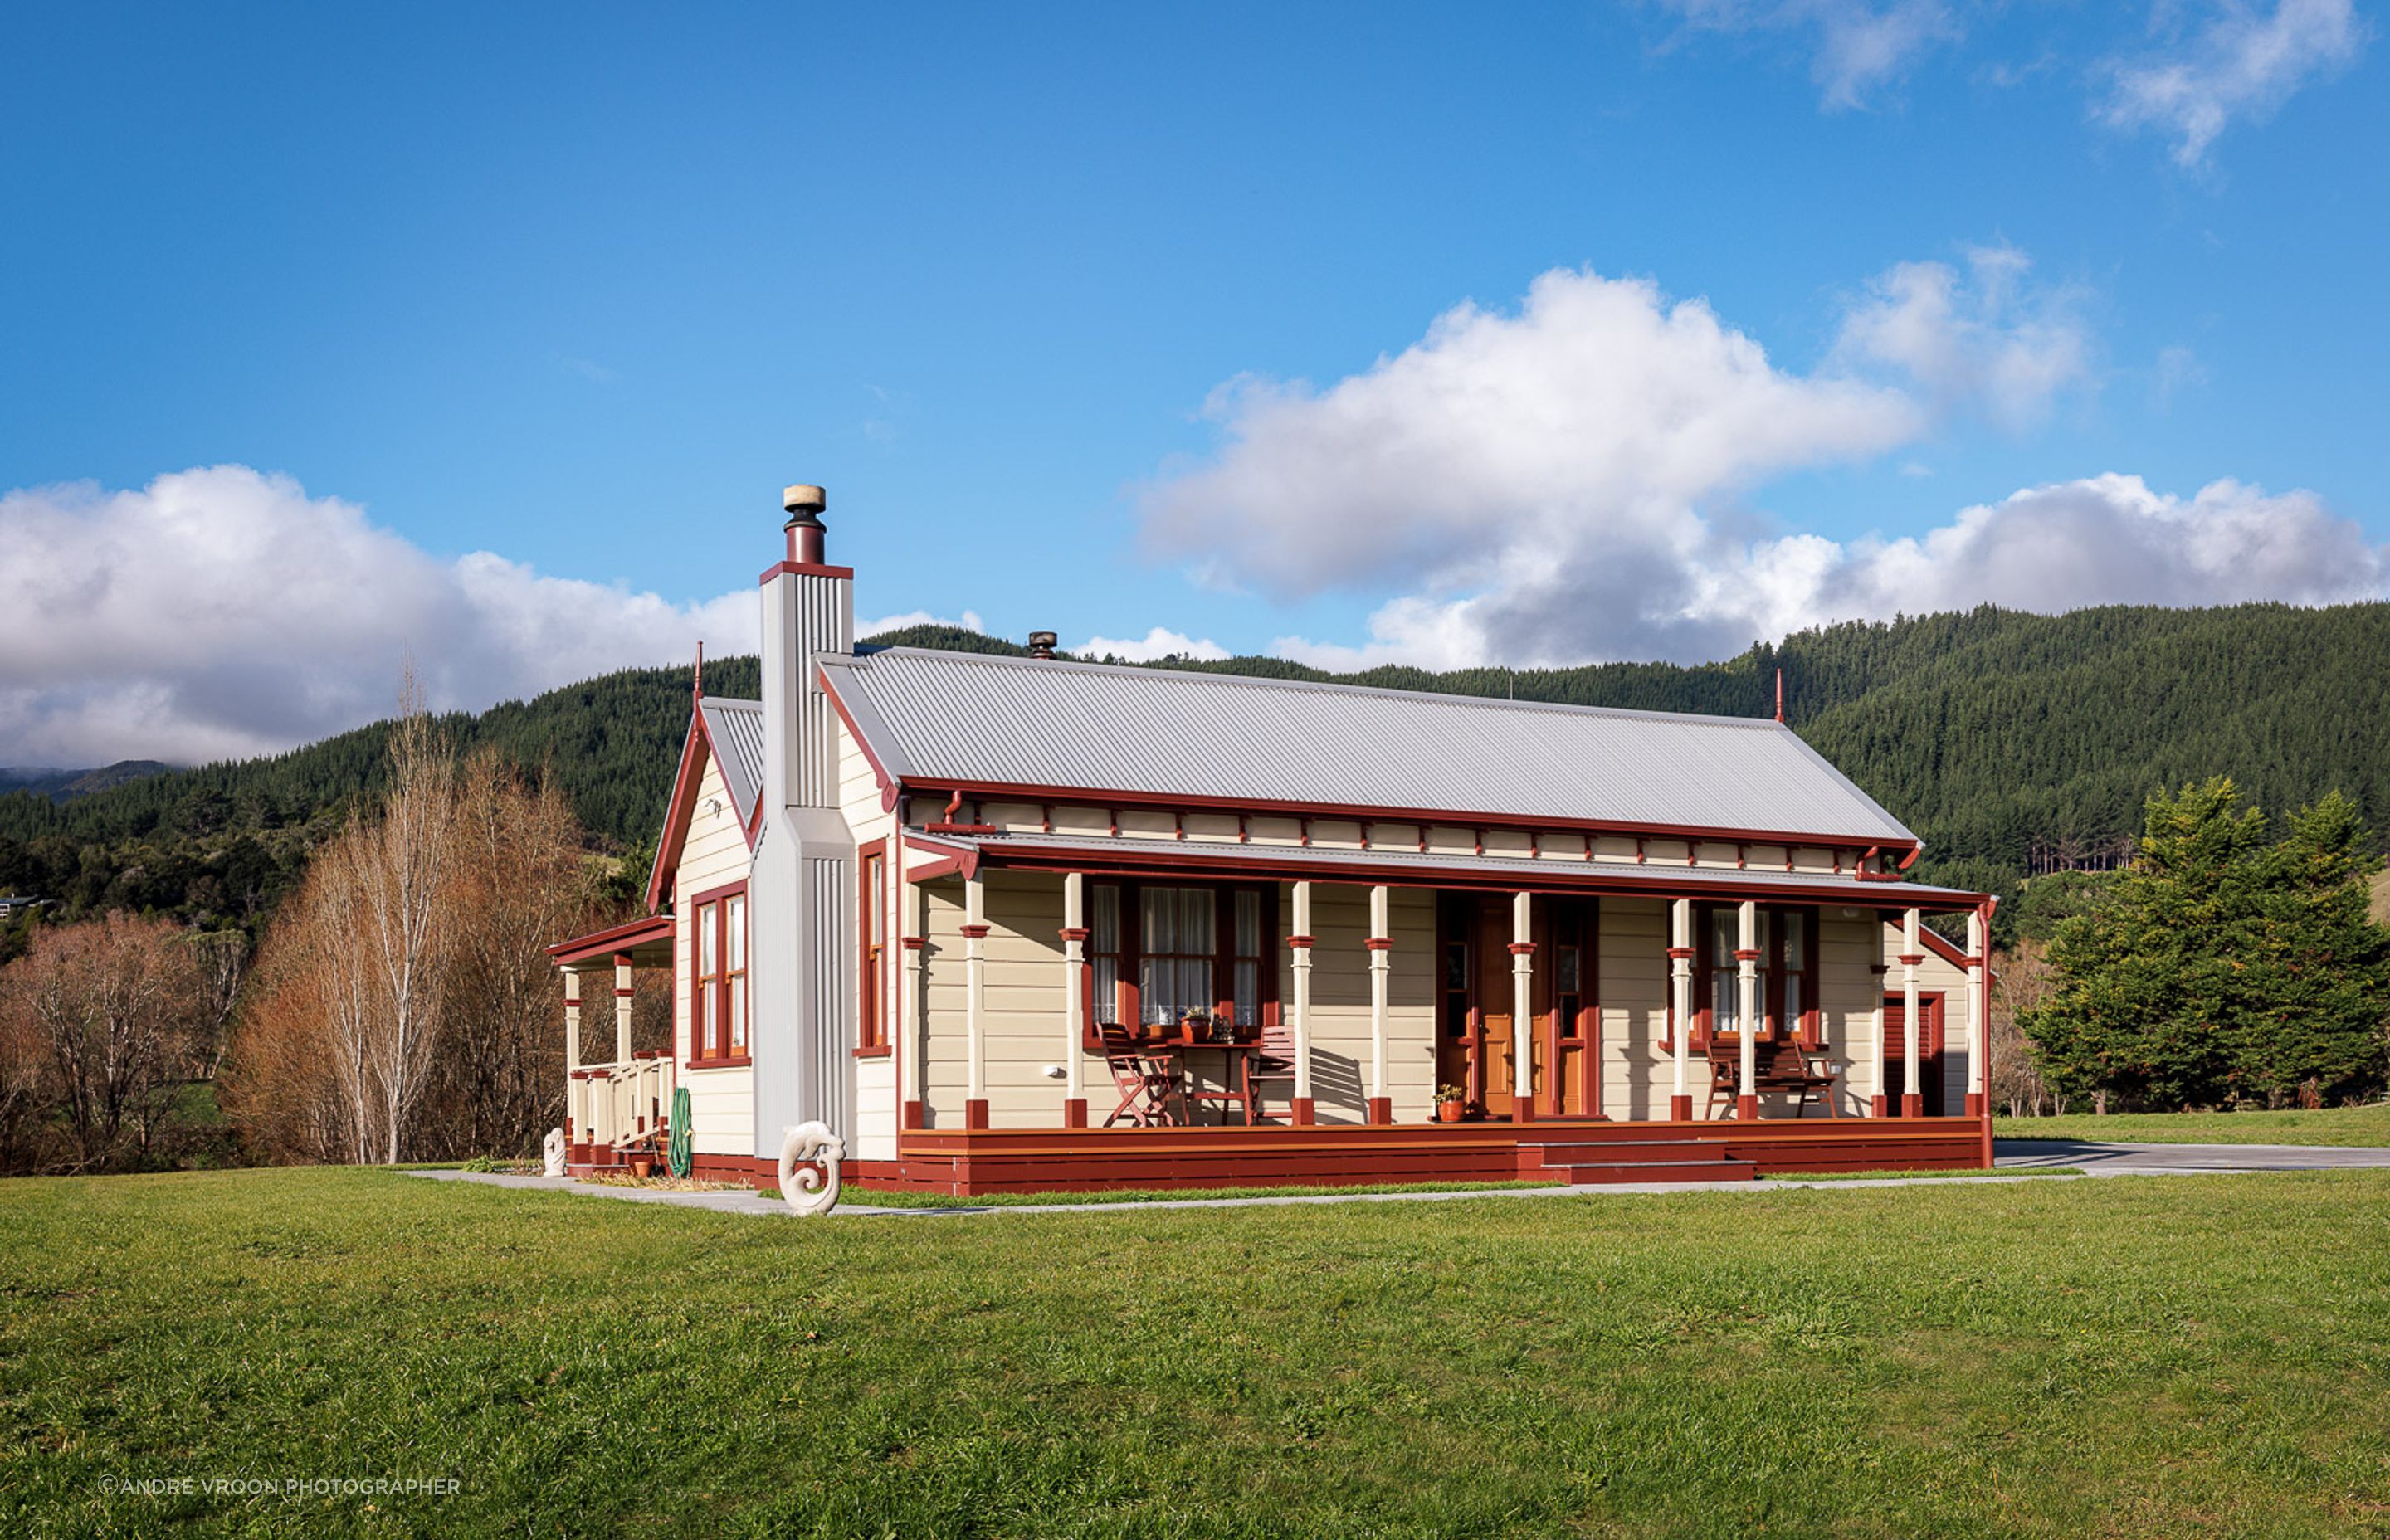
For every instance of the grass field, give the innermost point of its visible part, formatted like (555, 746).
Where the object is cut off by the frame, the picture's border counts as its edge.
(2185, 1356)
(2341, 1126)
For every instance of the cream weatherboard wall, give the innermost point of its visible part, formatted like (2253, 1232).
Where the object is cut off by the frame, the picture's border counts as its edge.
(1341, 1047)
(1021, 1006)
(875, 1099)
(713, 854)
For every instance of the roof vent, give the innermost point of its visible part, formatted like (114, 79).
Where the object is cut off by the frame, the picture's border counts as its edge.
(1041, 643)
(803, 505)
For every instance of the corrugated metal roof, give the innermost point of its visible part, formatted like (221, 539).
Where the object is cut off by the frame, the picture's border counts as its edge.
(736, 730)
(975, 717)
(1527, 872)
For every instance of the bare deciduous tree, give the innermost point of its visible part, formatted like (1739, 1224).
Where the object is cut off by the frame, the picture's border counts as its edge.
(2026, 978)
(102, 1024)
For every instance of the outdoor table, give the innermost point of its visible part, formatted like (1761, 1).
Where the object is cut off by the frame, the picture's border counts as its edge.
(1235, 1070)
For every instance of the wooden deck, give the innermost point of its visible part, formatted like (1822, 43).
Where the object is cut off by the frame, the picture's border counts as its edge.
(976, 1162)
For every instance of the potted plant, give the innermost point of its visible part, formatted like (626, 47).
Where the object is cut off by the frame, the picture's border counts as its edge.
(1195, 1026)
(1449, 1099)
(641, 1165)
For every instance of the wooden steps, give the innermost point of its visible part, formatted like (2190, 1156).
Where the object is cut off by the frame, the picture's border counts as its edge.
(1581, 1163)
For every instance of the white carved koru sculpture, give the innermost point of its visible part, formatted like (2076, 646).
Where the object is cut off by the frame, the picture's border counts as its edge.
(806, 1145)
(552, 1149)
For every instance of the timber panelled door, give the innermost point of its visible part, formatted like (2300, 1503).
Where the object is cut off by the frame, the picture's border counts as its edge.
(1928, 1052)
(1476, 1001)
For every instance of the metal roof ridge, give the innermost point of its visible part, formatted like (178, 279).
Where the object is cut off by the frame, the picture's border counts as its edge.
(1332, 687)
(730, 703)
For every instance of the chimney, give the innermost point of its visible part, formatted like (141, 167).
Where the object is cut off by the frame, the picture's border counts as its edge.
(1041, 643)
(804, 503)
(808, 610)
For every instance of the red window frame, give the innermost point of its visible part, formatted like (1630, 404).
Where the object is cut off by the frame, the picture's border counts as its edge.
(1772, 973)
(872, 993)
(1130, 957)
(719, 1024)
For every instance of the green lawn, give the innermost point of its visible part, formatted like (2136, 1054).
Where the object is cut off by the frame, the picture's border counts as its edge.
(2187, 1356)
(2342, 1125)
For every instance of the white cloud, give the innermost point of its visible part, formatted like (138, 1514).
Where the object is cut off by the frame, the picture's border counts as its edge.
(2242, 64)
(1859, 47)
(220, 612)
(1567, 483)
(866, 630)
(1981, 337)
(1155, 644)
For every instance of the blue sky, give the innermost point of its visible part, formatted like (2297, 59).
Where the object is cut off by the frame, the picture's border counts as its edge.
(580, 288)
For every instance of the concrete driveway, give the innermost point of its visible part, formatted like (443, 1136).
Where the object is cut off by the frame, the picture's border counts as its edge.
(2120, 1159)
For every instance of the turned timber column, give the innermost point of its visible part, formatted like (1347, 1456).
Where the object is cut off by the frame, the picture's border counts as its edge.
(1305, 1110)
(1075, 958)
(1879, 1104)
(1680, 1003)
(974, 999)
(1382, 1106)
(1746, 966)
(1912, 1089)
(1978, 1016)
(1523, 1007)
(621, 1008)
(576, 1116)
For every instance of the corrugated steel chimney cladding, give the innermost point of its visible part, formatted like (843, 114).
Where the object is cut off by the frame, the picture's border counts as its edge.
(808, 612)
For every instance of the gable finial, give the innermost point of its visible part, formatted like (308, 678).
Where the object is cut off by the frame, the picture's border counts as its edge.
(1779, 696)
(697, 675)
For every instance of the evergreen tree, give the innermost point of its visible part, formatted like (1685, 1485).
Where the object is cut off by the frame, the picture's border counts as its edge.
(2220, 967)
(2317, 969)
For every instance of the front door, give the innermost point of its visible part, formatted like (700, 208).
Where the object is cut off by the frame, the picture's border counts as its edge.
(1474, 1044)
(1929, 1053)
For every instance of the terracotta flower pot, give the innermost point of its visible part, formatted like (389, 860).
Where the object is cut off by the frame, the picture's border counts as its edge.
(640, 1166)
(1447, 1111)
(1192, 1031)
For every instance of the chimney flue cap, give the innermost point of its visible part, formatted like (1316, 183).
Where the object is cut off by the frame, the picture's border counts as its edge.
(803, 503)
(1041, 643)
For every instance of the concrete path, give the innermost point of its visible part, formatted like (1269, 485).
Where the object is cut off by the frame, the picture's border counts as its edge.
(2134, 1160)
(2016, 1158)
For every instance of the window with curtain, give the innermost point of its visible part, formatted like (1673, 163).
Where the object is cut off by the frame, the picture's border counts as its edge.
(1157, 951)
(871, 977)
(734, 973)
(1180, 942)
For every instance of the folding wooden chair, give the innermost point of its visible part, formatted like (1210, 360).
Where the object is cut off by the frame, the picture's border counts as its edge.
(1147, 1089)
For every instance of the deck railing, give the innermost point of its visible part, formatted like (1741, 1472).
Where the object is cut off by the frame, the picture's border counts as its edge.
(614, 1105)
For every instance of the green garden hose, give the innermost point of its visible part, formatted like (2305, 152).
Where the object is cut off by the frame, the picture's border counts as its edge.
(677, 1152)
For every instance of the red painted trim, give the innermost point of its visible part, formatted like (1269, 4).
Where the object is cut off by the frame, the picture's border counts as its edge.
(975, 932)
(1129, 860)
(1747, 1108)
(692, 908)
(914, 943)
(802, 569)
(872, 1039)
(678, 809)
(1680, 1109)
(1912, 959)
(1074, 933)
(1522, 949)
(889, 785)
(1306, 1111)
(1075, 1111)
(975, 1112)
(1379, 943)
(1301, 943)
(1379, 1109)
(1353, 811)
(604, 944)
(740, 1062)
(878, 1050)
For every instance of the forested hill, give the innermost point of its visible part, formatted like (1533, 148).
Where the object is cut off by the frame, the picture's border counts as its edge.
(1988, 732)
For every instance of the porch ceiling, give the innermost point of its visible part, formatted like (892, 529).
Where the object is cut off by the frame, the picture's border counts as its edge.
(1412, 868)
(648, 943)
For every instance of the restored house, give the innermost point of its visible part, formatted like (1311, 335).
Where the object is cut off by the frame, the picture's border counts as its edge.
(1016, 922)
